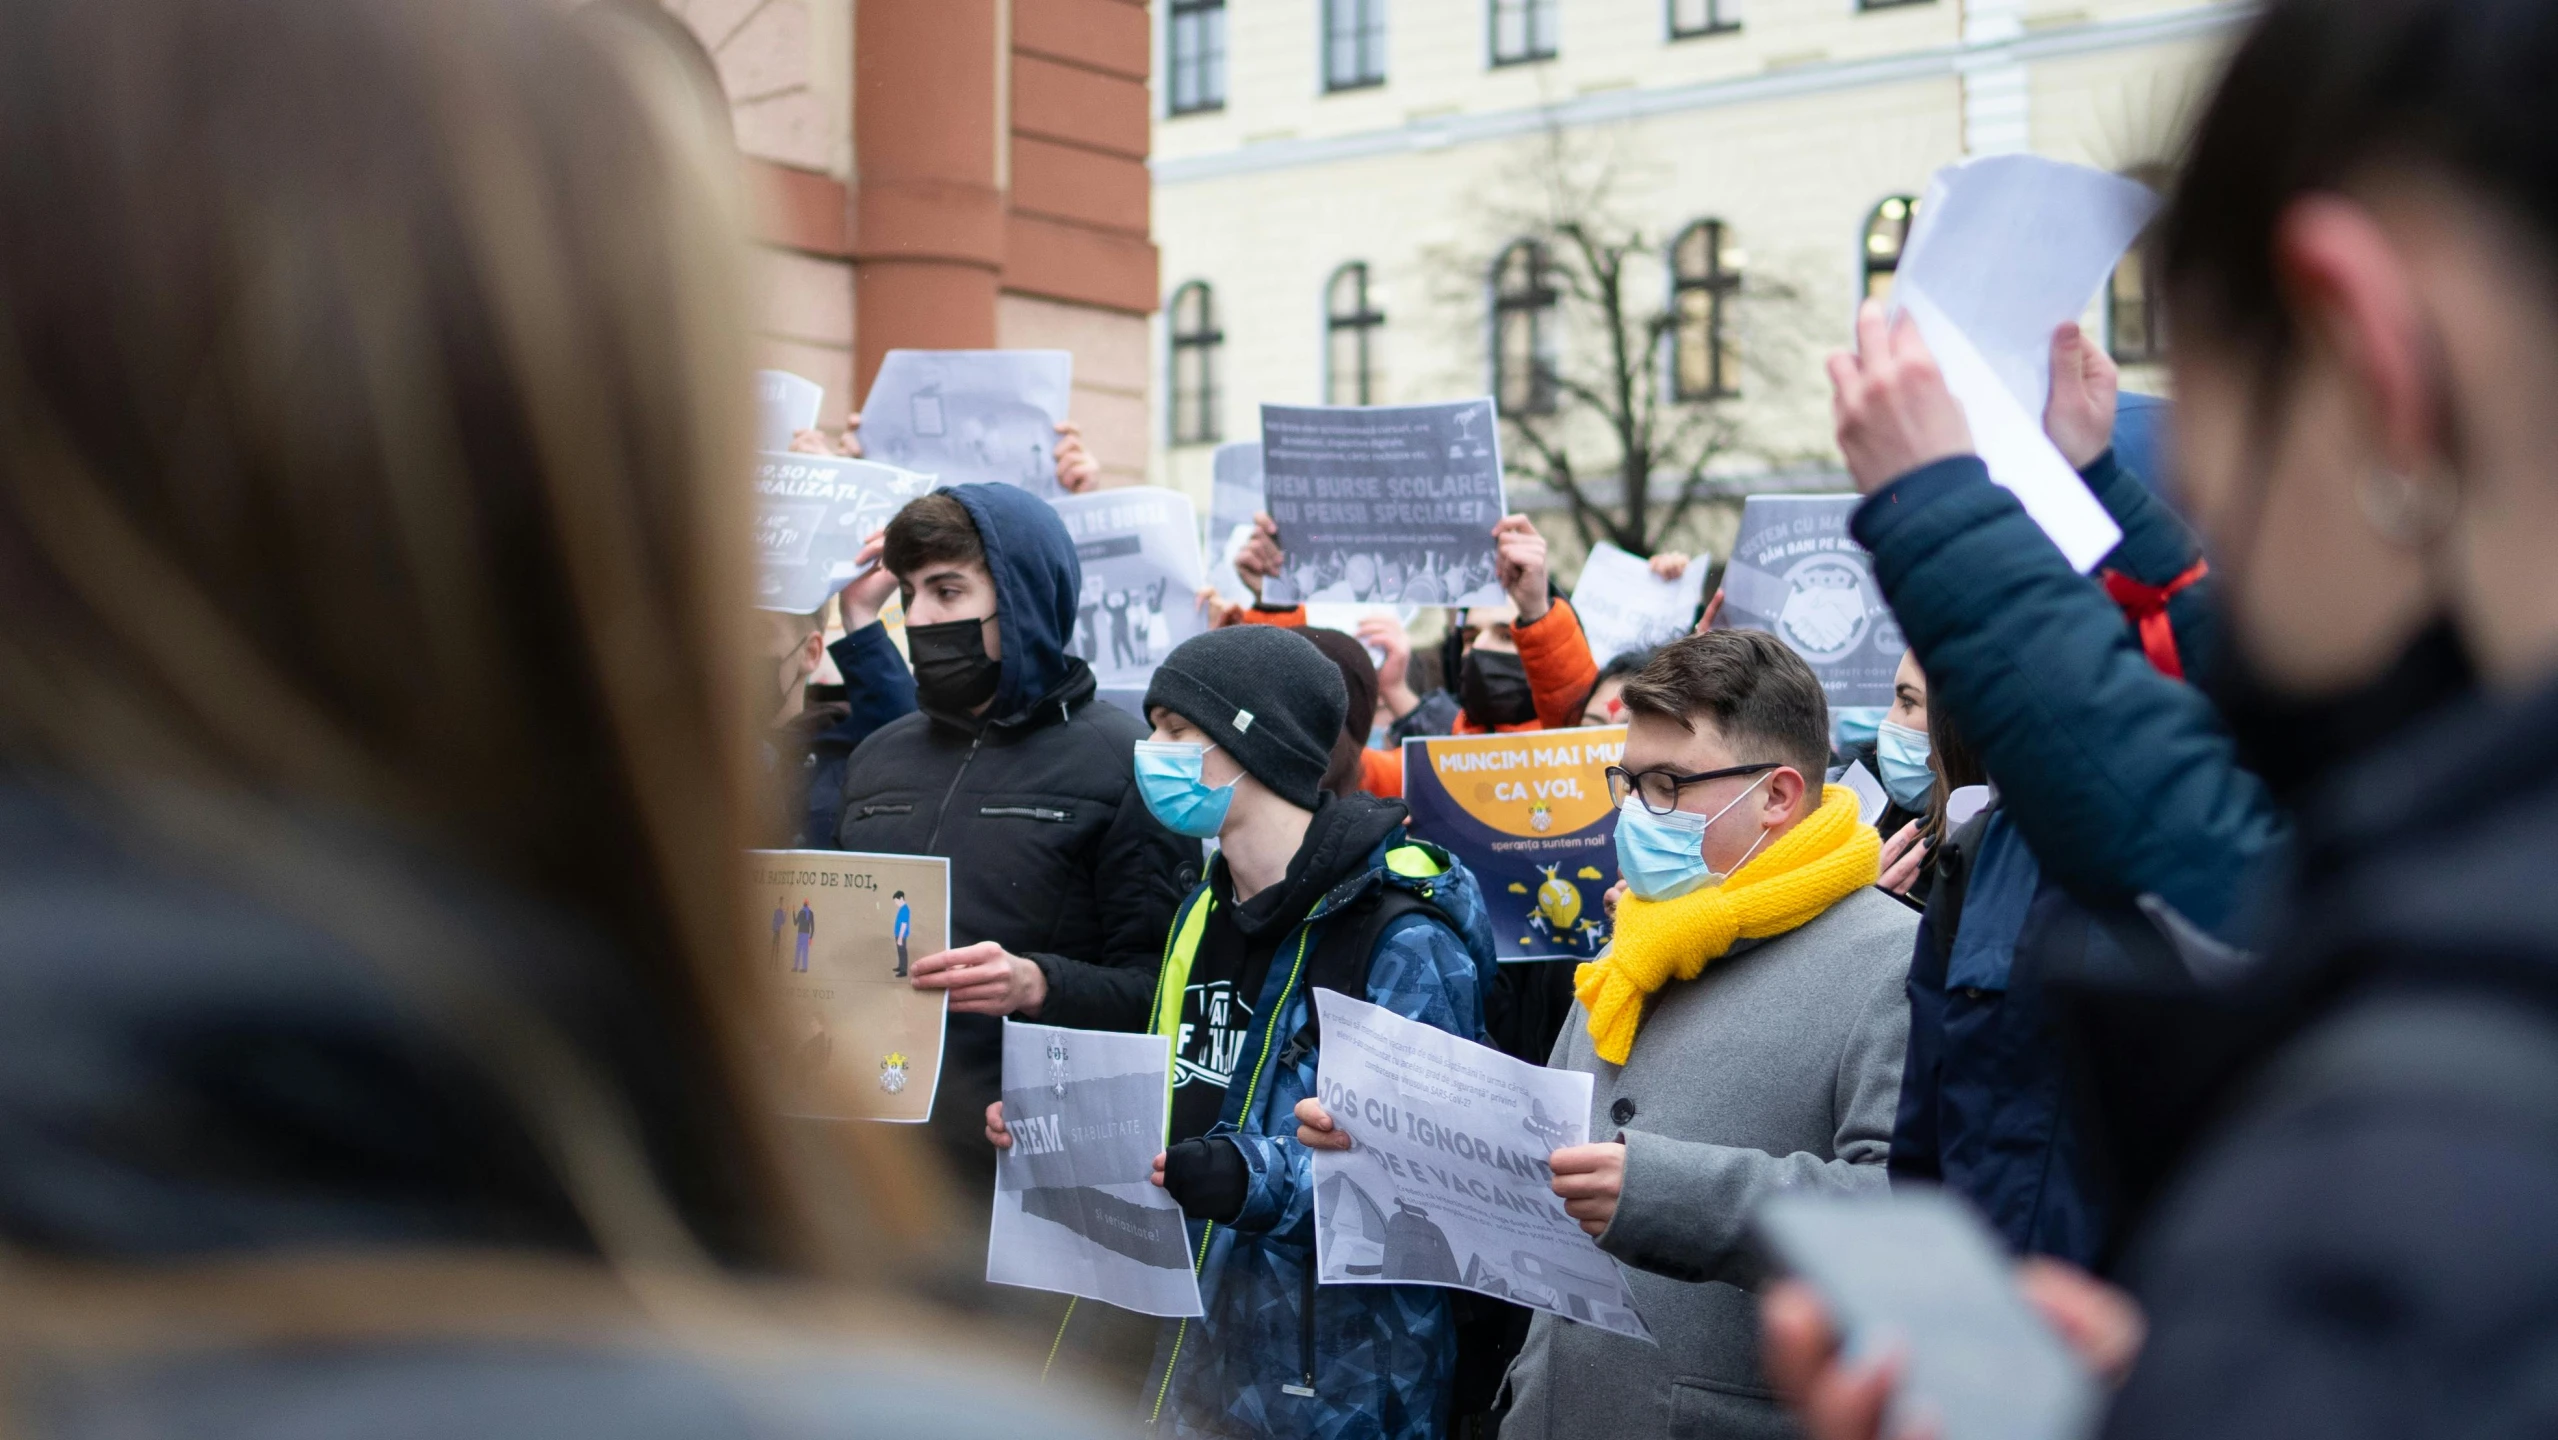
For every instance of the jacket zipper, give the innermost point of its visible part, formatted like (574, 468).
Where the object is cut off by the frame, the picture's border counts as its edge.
(1305, 1339)
(1296, 968)
(1028, 812)
(944, 812)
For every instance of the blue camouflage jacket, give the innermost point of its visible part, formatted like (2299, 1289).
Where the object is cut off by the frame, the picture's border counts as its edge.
(1275, 1355)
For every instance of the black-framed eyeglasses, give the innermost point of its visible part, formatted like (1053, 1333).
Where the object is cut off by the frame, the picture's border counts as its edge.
(1660, 789)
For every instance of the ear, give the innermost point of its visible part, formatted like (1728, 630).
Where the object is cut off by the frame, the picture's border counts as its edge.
(1784, 790)
(2347, 282)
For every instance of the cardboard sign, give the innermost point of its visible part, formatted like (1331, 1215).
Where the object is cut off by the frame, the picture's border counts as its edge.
(1529, 815)
(844, 928)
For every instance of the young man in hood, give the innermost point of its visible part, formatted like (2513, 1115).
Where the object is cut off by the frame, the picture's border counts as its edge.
(1307, 888)
(1744, 1033)
(1061, 884)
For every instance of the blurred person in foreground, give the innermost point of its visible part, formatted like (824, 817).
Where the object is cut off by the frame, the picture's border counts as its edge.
(1743, 1034)
(2357, 1131)
(380, 1049)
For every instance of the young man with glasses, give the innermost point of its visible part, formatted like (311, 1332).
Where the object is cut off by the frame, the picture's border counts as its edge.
(1745, 1032)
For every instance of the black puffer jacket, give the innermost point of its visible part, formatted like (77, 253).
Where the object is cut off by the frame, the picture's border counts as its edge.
(2362, 1246)
(1053, 854)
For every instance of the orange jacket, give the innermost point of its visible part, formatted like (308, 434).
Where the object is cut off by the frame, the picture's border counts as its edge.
(1552, 650)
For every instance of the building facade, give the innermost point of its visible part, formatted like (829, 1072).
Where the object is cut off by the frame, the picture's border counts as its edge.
(949, 174)
(1346, 192)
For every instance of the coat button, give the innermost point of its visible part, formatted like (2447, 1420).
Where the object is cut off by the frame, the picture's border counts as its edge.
(1622, 1112)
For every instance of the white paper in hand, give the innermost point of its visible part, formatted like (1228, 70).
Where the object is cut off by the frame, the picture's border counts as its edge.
(1074, 1211)
(1623, 606)
(1446, 1182)
(785, 404)
(2007, 249)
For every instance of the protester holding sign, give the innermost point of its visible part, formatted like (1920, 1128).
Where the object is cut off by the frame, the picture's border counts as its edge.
(1065, 884)
(1306, 889)
(2354, 1239)
(1745, 1033)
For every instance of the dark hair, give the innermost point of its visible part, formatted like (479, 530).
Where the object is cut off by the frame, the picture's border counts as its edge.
(2323, 90)
(933, 529)
(1632, 662)
(1950, 755)
(1759, 695)
(1359, 680)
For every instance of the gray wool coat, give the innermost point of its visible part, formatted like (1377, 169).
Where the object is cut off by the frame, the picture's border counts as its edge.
(1777, 1067)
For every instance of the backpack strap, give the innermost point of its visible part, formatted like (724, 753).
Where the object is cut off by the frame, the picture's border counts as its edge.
(1346, 949)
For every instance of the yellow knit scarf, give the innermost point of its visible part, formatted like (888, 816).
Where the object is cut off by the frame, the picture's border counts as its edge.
(1821, 861)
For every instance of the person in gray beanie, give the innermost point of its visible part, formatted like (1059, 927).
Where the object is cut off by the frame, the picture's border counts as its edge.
(1307, 889)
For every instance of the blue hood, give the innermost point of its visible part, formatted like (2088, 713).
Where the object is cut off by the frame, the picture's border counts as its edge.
(1037, 578)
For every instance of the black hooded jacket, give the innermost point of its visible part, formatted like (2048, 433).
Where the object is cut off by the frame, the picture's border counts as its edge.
(1053, 855)
(2360, 1244)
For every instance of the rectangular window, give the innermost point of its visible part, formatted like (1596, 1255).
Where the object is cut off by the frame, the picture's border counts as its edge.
(1354, 43)
(1523, 30)
(1197, 72)
(1704, 17)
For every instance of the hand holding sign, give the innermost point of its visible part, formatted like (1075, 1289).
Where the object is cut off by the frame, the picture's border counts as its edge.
(1894, 411)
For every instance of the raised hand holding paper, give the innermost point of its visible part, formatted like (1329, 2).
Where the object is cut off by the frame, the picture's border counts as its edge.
(970, 415)
(813, 514)
(1624, 606)
(1446, 1181)
(1384, 503)
(1074, 1211)
(2007, 248)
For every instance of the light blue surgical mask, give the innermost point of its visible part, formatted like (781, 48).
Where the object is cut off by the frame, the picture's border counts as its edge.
(1663, 856)
(1900, 753)
(1855, 726)
(1169, 780)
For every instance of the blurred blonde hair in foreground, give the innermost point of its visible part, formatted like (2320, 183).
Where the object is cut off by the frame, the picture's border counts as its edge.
(372, 418)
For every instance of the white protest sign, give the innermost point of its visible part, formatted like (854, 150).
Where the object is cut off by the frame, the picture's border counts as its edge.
(1074, 1211)
(785, 404)
(1139, 548)
(2007, 248)
(813, 514)
(1624, 606)
(970, 415)
(1446, 1181)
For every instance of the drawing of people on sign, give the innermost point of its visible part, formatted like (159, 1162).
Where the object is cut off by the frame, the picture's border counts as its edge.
(807, 923)
(1140, 554)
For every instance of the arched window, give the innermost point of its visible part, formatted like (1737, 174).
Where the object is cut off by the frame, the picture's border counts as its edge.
(1887, 231)
(1351, 320)
(1195, 342)
(1523, 301)
(1705, 273)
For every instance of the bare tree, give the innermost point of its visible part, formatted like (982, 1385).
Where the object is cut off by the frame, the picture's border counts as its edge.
(1602, 429)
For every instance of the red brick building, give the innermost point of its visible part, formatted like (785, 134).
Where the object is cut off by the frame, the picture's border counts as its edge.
(949, 174)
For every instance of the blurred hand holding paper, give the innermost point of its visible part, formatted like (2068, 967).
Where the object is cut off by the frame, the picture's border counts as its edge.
(2006, 250)
(971, 415)
(1624, 606)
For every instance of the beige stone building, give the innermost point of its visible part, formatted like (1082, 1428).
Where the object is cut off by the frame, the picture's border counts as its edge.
(1336, 182)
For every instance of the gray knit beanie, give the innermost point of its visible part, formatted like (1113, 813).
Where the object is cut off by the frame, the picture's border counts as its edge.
(1266, 696)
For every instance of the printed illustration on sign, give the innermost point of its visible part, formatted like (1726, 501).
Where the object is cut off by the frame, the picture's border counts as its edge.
(1074, 1211)
(813, 515)
(860, 1038)
(1139, 549)
(1798, 574)
(970, 415)
(1529, 814)
(1447, 1180)
(1383, 504)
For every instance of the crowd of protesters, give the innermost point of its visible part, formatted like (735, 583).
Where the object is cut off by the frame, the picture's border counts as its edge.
(373, 1058)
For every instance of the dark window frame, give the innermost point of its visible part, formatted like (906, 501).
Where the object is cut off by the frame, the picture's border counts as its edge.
(1200, 344)
(1863, 6)
(1204, 66)
(1529, 12)
(1361, 323)
(1719, 285)
(1716, 23)
(1869, 263)
(1367, 41)
(1531, 304)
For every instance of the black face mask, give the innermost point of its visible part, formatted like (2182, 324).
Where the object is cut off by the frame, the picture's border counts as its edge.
(2291, 742)
(1492, 686)
(953, 672)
